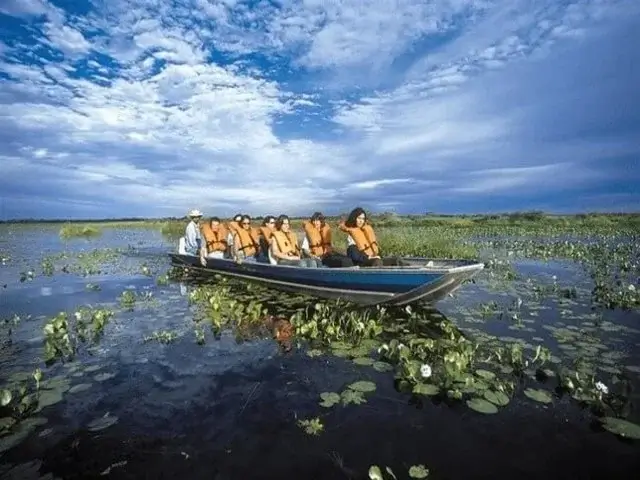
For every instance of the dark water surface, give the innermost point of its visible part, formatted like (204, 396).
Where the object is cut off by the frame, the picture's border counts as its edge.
(228, 410)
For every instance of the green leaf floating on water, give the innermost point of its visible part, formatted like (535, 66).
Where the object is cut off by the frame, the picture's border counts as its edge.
(5, 397)
(329, 399)
(81, 387)
(352, 396)
(363, 386)
(418, 471)
(339, 352)
(47, 398)
(541, 396)
(365, 361)
(102, 377)
(621, 427)
(486, 374)
(482, 406)
(375, 473)
(103, 422)
(425, 389)
(497, 398)
(382, 366)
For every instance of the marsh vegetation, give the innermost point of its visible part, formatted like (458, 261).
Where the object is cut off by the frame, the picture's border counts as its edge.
(100, 334)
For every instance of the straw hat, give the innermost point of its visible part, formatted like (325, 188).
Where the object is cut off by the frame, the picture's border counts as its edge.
(194, 213)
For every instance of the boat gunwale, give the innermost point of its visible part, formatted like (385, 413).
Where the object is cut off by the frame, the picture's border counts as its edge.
(403, 270)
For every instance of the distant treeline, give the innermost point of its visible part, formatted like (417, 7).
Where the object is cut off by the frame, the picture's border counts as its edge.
(514, 216)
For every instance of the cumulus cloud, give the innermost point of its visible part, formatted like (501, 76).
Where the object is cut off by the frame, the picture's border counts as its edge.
(151, 108)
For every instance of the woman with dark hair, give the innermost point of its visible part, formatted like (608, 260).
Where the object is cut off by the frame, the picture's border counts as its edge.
(284, 249)
(246, 245)
(317, 243)
(264, 236)
(362, 244)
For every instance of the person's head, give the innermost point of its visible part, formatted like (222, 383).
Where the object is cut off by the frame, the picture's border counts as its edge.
(269, 222)
(237, 217)
(282, 223)
(214, 222)
(195, 215)
(317, 220)
(356, 218)
(245, 221)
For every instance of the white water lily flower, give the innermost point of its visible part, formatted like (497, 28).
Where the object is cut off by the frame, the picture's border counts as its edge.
(425, 371)
(361, 325)
(601, 387)
(632, 288)
(401, 346)
(78, 316)
(383, 348)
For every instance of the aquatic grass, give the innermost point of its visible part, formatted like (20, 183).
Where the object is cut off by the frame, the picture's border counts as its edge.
(73, 230)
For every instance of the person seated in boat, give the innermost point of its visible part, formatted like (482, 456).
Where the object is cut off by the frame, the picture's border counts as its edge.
(317, 243)
(215, 244)
(362, 244)
(233, 225)
(246, 245)
(264, 236)
(284, 248)
(192, 236)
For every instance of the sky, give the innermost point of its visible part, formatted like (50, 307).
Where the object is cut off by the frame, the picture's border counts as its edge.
(149, 108)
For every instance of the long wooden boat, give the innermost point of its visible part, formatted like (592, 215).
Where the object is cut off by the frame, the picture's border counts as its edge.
(421, 279)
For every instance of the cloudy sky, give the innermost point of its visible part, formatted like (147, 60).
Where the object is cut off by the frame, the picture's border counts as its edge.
(115, 108)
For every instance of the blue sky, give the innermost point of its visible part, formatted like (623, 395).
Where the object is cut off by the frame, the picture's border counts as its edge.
(153, 107)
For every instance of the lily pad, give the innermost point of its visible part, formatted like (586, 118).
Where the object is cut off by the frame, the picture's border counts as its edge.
(382, 366)
(5, 397)
(20, 433)
(338, 352)
(497, 398)
(418, 471)
(363, 386)
(621, 427)
(81, 387)
(364, 361)
(102, 377)
(426, 389)
(541, 396)
(486, 374)
(329, 399)
(352, 396)
(103, 422)
(482, 406)
(47, 398)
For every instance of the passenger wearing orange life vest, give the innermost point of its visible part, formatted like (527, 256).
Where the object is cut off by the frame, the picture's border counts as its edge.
(215, 240)
(264, 235)
(233, 225)
(317, 243)
(284, 248)
(246, 245)
(362, 244)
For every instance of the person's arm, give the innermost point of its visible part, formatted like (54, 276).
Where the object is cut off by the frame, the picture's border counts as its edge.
(305, 247)
(235, 246)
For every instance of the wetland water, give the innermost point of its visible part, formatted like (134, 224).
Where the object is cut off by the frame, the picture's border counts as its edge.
(157, 395)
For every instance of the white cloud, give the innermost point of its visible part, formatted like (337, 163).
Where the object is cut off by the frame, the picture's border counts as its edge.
(164, 106)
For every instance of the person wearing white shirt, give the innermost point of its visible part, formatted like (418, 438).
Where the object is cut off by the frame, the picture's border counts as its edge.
(192, 235)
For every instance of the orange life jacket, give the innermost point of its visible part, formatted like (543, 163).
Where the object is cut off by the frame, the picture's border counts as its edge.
(233, 226)
(216, 240)
(248, 241)
(319, 240)
(365, 239)
(266, 232)
(287, 242)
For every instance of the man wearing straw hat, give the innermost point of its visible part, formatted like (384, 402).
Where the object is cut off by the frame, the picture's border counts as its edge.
(192, 236)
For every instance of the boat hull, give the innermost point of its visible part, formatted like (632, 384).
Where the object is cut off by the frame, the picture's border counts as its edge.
(366, 286)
